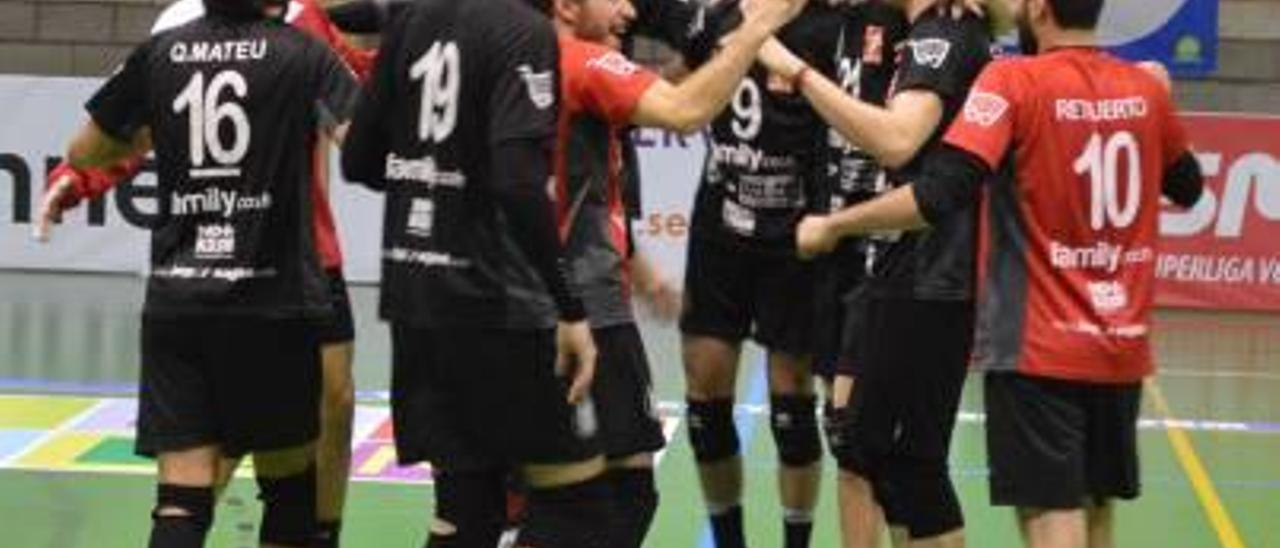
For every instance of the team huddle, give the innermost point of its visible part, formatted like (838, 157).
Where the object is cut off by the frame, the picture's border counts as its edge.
(882, 205)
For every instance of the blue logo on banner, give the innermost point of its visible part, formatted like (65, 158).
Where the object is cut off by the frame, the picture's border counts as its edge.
(1182, 34)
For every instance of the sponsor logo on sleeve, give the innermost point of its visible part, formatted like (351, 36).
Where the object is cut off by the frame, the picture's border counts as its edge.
(541, 86)
(930, 52)
(985, 108)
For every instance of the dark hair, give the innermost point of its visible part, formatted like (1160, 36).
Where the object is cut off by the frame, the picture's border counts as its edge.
(1076, 14)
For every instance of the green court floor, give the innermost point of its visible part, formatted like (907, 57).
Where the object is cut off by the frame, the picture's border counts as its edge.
(68, 361)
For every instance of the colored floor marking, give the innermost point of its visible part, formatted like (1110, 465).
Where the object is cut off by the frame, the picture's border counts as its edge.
(1201, 483)
(78, 434)
(39, 412)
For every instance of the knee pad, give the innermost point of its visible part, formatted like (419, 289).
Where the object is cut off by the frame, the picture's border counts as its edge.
(635, 502)
(187, 530)
(577, 516)
(928, 503)
(794, 422)
(288, 508)
(711, 430)
(474, 502)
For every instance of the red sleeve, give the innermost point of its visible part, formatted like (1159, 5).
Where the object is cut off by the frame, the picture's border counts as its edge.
(313, 20)
(612, 84)
(987, 125)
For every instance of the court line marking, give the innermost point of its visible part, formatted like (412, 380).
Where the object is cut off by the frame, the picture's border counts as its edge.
(1197, 474)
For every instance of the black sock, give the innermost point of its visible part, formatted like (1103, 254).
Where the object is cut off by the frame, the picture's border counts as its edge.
(797, 533)
(327, 534)
(726, 526)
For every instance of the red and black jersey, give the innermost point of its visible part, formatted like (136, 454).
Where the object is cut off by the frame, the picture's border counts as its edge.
(1069, 231)
(599, 89)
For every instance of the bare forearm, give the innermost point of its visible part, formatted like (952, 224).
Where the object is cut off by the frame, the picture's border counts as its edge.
(866, 126)
(704, 93)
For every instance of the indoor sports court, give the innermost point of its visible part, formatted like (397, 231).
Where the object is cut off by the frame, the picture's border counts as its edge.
(68, 477)
(1209, 432)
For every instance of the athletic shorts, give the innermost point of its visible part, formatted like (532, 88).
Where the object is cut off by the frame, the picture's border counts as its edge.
(623, 394)
(904, 402)
(837, 315)
(465, 398)
(340, 326)
(246, 384)
(1058, 444)
(733, 293)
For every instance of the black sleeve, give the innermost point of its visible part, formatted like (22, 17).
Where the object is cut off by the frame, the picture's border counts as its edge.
(119, 107)
(519, 169)
(673, 22)
(522, 82)
(950, 182)
(720, 20)
(336, 89)
(365, 149)
(940, 57)
(1184, 181)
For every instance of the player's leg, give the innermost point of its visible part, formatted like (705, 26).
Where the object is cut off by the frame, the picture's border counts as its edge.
(429, 425)
(1111, 456)
(1036, 453)
(716, 318)
(269, 399)
(630, 431)
(861, 520)
(177, 425)
(287, 488)
(784, 316)
(929, 402)
(337, 410)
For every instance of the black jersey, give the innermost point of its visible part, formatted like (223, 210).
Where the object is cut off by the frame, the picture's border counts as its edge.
(764, 164)
(454, 80)
(866, 61)
(233, 107)
(942, 56)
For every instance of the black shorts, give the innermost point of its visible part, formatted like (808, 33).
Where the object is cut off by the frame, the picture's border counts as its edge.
(838, 309)
(733, 293)
(466, 398)
(1057, 444)
(246, 384)
(905, 400)
(623, 394)
(339, 327)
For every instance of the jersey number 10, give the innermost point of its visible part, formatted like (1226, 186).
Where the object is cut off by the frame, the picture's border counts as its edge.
(1101, 162)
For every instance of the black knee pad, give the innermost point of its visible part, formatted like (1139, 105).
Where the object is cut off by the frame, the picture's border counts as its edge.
(181, 531)
(288, 508)
(635, 502)
(928, 503)
(794, 422)
(571, 516)
(474, 502)
(711, 430)
(851, 453)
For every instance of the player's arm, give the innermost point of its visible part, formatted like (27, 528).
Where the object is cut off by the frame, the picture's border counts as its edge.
(691, 104)
(116, 131)
(950, 183)
(893, 134)
(655, 288)
(366, 141)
